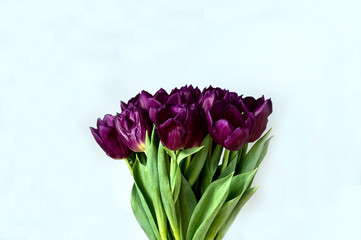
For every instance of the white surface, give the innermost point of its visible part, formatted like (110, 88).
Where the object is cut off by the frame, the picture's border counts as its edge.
(64, 63)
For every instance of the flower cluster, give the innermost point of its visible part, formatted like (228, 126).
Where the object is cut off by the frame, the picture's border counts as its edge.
(182, 119)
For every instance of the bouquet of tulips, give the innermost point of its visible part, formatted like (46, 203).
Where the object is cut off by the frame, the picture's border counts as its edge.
(187, 152)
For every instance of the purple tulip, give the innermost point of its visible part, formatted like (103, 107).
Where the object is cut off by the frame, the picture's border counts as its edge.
(108, 139)
(211, 95)
(157, 101)
(180, 126)
(261, 109)
(185, 95)
(180, 122)
(141, 100)
(132, 125)
(229, 126)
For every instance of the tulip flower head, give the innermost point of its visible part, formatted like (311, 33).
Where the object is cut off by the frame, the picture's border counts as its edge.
(261, 109)
(179, 120)
(108, 139)
(132, 125)
(229, 126)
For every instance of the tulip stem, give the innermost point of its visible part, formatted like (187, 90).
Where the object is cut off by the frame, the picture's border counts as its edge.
(225, 159)
(129, 166)
(188, 162)
(210, 148)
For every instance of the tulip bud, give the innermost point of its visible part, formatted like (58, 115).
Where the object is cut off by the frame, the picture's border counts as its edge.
(228, 126)
(141, 101)
(185, 95)
(180, 122)
(211, 95)
(156, 102)
(132, 125)
(261, 109)
(108, 139)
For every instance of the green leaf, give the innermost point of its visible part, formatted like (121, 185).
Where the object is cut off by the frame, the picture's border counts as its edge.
(210, 168)
(187, 201)
(143, 214)
(264, 151)
(214, 161)
(142, 158)
(229, 169)
(196, 165)
(251, 159)
(146, 179)
(165, 190)
(246, 196)
(207, 208)
(233, 155)
(244, 151)
(171, 153)
(238, 186)
(187, 152)
(240, 183)
(175, 180)
(141, 179)
(179, 219)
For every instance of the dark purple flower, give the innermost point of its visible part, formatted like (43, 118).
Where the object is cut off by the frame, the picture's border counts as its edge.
(141, 101)
(185, 95)
(180, 122)
(132, 125)
(261, 109)
(229, 126)
(108, 139)
(157, 101)
(180, 126)
(211, 95)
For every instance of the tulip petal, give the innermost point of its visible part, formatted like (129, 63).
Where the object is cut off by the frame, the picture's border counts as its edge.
(97, 137)
(223, 129)
(172, 134)
(237, 139)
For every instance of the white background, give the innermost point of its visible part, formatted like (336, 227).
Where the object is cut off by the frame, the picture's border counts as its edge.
(65, 63)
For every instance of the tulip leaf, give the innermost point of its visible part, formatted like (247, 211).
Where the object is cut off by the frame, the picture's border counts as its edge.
(165, 190)
(146, 178)
(264, 151)
(210, 168)
(171, 153)
(198, 160)
(179, 219)
(142, 158)
(187, 201)
(233, 155)
(206, 178)
(238, 186)
(140, 179)
(229, 169)
(240, 183)
(143, 215)
(214, 161)
(175, 179)
(187, 152)
(208, 207)
(245, 197)
(250, 161)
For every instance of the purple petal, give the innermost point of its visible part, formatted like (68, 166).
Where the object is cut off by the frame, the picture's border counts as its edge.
(237, 139)
(172, 134)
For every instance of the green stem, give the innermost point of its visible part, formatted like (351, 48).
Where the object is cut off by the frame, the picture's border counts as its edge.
(163, 233)
(210, 148)
(178, 231)
(225, 159)
(188, 162)
(172, 174)
(129, 166)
